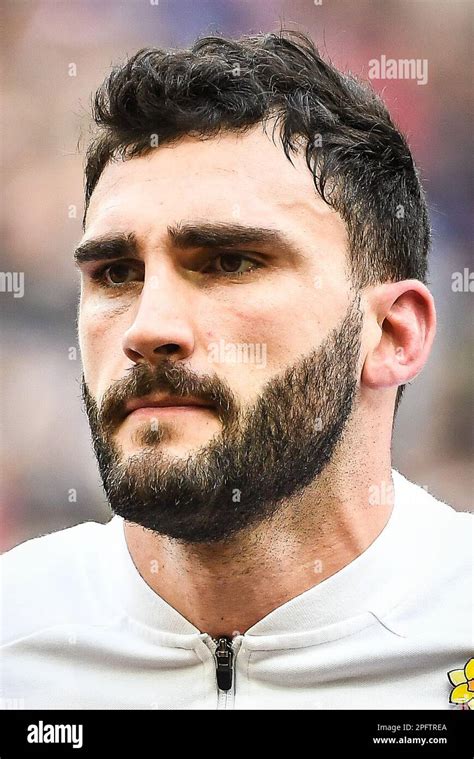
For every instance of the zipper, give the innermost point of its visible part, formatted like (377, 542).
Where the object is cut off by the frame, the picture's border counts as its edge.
(224, 656)
(224, 652)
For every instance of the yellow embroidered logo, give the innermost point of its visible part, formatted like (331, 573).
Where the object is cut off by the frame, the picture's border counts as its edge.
(463, 681)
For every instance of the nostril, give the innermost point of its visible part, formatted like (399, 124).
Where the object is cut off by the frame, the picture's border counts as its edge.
(134, 356)
(168, 349)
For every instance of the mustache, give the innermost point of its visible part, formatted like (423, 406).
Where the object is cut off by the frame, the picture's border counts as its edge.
(168, 377)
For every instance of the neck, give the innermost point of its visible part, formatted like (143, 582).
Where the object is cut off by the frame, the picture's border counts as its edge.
(225, 588)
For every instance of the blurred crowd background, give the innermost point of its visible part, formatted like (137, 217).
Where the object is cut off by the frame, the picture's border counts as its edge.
(56, 53)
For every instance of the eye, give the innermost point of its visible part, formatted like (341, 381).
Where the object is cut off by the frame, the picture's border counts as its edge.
(232, 263)
(114, 275)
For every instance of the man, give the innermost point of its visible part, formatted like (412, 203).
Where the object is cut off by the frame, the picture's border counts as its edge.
(253, 302)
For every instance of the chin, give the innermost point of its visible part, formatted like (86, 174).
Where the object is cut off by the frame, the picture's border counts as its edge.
(169, 449)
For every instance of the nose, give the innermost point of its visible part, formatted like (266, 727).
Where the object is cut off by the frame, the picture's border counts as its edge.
(162, 324)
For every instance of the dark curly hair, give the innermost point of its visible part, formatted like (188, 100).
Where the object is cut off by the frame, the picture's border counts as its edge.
(361, 163)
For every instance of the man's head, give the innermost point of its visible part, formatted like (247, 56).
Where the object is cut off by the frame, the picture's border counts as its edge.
(268, 222)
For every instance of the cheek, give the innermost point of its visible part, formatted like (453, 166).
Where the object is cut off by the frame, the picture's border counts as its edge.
(100, 336)
(252, 324)
(100, 316)
(286, 322)
(248, 344)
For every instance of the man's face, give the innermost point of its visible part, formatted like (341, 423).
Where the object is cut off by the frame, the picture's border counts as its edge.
(232, 296)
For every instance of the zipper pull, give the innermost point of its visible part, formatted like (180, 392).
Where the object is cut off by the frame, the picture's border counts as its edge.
(224, 663)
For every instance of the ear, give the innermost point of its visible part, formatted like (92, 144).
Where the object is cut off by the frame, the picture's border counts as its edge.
(401, 324)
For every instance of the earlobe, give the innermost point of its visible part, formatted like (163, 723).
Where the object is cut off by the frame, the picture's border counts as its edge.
(404, 317)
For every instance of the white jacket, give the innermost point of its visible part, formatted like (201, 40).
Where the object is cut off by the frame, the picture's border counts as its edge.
(82, 630)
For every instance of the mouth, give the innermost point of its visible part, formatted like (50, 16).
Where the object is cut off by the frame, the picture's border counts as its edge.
(150, 406)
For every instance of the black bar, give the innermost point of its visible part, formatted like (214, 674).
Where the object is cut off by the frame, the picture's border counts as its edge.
(143, 732)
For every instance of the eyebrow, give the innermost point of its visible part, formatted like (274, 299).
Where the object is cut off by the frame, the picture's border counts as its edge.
(223, 234)
(107, 247)
(182, 236)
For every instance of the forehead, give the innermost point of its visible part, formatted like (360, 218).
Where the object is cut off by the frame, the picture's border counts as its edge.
(245, 178)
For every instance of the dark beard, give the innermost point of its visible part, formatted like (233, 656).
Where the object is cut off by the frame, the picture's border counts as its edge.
(261, 457)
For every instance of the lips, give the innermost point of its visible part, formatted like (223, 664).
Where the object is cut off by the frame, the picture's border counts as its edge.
(167, 402)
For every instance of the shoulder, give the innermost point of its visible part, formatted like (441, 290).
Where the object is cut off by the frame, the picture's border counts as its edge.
(432, 562)
(436, 540)
(435, 516)
(50, 549)
(50, 579)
